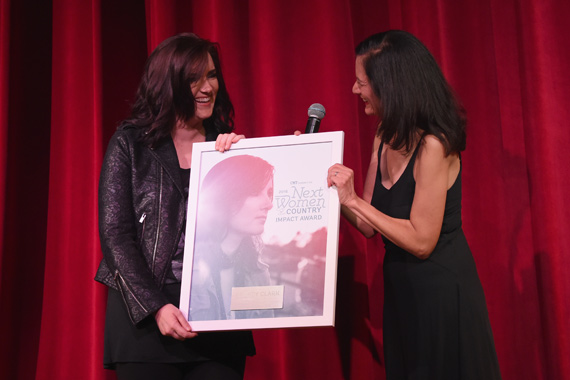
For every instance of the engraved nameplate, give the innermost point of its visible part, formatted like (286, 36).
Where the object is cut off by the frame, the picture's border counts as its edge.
(257, 297)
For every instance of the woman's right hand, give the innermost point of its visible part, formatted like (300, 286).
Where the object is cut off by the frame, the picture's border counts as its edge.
(343, 179)
(225, 141)
(172, 323)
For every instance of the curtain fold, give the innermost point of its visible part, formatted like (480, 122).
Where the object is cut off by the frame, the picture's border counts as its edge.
(4, 85)
(26, 76)
(545, 88)
(68, 75)
(160, 16)
(73, 312)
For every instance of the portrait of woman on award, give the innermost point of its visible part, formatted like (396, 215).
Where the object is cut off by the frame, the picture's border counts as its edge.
(235, 197)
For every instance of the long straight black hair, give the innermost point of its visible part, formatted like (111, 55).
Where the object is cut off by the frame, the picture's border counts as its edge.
(165, 96)
(413, 93)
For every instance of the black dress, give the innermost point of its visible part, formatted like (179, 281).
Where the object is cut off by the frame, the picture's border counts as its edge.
(435, 316)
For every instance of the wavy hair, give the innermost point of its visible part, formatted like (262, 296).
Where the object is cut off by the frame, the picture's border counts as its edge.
(413, 93)
(164, 95)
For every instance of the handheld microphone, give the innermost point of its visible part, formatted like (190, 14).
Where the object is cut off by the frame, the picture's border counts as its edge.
(316, 113)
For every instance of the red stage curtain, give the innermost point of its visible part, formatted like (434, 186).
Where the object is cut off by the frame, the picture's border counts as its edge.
(69, 70)
(4, 85)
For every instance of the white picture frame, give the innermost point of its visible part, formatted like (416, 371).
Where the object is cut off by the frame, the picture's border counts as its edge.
(284, 277)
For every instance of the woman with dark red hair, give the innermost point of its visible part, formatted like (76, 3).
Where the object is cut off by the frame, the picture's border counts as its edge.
(181, 100)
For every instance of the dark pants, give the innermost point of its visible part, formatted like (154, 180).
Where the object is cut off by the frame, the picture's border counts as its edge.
(210, 369)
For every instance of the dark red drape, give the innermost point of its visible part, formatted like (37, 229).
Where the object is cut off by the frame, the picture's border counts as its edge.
(69, 70)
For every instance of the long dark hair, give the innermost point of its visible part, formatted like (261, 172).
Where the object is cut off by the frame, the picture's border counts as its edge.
(413, 93)
(165, 96)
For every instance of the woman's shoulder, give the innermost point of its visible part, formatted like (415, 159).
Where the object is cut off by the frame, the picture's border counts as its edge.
(377, 141)
(128, 131)
(432, 150)
(126, 135)
(432, 145)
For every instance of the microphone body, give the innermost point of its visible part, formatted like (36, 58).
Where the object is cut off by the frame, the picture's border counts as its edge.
(316, 113)
(312, 125)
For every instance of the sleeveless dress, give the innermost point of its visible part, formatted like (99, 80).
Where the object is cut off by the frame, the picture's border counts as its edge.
(435, 316)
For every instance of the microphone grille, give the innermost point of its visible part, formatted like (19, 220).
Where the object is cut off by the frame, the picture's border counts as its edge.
(317, 110)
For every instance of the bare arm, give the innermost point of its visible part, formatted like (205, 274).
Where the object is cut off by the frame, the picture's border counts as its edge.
(362, 226)
(419, 234)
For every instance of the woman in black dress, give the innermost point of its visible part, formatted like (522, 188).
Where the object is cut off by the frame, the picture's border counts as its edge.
(143, 190)
(435, 317)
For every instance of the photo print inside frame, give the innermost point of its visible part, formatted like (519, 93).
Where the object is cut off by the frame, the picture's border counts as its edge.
(261, 241)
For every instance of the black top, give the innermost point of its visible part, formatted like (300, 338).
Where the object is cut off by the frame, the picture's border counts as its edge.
(175, 274)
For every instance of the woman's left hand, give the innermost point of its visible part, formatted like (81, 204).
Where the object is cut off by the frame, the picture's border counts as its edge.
(225, 141)
(343, 179)
(171, 322)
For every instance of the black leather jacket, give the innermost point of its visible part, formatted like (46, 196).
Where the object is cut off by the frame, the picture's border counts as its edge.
(141, 217)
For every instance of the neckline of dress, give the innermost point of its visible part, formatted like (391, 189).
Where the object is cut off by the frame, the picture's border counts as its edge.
(412, 159)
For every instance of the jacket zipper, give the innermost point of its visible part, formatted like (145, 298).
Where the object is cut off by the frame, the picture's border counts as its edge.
(157, 222)
(142, 221)
(118, 278)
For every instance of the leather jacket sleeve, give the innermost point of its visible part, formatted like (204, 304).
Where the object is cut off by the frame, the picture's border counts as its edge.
(124, 266)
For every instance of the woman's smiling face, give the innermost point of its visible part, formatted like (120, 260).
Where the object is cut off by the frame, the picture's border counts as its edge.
(205, 90)
(363, 89)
